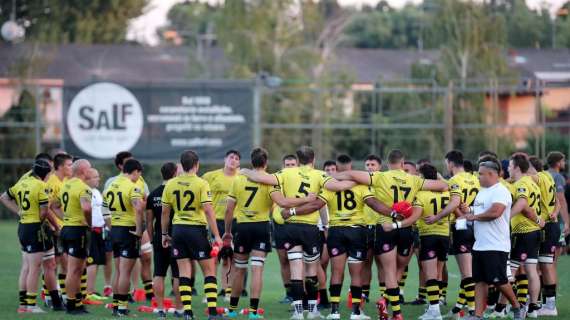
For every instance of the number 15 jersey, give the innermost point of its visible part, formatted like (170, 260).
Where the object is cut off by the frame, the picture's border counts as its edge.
(185, 195)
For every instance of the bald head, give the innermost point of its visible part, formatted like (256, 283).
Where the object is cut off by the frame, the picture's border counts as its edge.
(92, 178)
(80, 168)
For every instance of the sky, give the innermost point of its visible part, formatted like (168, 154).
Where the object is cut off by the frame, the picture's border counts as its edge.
(143, 28)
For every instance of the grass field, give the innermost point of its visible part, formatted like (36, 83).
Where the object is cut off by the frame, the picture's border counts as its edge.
(272, 293)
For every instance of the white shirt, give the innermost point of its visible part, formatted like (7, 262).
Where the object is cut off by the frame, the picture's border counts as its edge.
(96, 205)
(493, 235)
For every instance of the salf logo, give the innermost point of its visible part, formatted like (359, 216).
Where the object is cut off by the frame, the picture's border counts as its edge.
(104, 119)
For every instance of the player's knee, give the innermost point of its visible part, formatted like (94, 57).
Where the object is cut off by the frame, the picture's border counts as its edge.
(240, 263)
(294, 255)
(258, 262)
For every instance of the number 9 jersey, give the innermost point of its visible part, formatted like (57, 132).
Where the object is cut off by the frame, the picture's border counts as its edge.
(185, 195)
(71, 193)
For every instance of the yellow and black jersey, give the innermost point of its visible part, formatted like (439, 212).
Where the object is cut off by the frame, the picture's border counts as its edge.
(299, 182)
(71, 194)
(527, 189)
(547, 195)
(393, 186)
(220, 185)
(346, 208)
(185, 195)
(431, 203)
(466, 186)
(253, 202)
(118, 199)
(54, 186)
(30, 193)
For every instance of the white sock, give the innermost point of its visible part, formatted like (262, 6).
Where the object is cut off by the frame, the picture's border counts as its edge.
(434, 307)
(551, 302)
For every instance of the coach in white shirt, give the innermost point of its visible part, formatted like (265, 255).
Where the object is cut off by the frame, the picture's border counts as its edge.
(491, 213)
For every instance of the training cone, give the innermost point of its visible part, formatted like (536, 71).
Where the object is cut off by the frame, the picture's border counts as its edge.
(244, 311)
(167, 303)
(260, 311)
(139, 295)
(109, 306)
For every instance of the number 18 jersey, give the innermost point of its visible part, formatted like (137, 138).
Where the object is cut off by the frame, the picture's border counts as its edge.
(185, 195)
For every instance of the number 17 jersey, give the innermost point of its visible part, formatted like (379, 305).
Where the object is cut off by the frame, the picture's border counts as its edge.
(185, 195)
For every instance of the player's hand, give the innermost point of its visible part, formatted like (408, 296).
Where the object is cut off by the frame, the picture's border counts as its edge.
(432, 219)
(464, 208)
(554, 216)
(541, 223)
(285, 214)
(218, 241)
(469, 217)
(387, 227)
(166, 241)
(566, 229)
(311, 197)
(227, 238)
(137, 234)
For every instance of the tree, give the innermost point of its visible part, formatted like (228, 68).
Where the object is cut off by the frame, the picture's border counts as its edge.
(94, 21)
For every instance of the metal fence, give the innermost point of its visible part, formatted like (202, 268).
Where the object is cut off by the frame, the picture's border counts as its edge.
(422, 118)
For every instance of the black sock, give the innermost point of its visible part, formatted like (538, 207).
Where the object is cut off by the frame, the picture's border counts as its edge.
(287, 289)
(356, 292)
(70, 304)
(253, 305)
(493, 296)
(366, 291)
(148, 291)
(56, 300)
(499, 307)
(335, 290)
(323, 296)
(234, 302)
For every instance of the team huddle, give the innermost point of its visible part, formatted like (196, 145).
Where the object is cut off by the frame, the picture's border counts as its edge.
(501, 223)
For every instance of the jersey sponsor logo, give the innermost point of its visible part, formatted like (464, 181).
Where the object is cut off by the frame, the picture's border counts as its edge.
(386, 247)
(175, 252)
(463, 248)
(431, 254)
(521, 190)
(287, 245)
(523, 256)
(103, 119)
(552, 249)
(334, 251)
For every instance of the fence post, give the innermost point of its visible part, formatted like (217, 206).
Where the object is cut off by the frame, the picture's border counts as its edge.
(448, 118)
(257, 113)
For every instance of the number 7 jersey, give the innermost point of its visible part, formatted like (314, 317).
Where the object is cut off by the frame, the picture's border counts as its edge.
(118, 197)
(253, 202)
(185, 195)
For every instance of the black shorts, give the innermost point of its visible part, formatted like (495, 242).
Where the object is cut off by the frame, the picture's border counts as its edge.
(125, 244)
(278, 236)
(350, 240)
(222, 228)
(58, 245)
(371, 235)
(300, 234)
(490, 267)
(75, 241)
(433, 246)
(323, 239)
(416, 237)
(525, 246)
(190, 242)
(96, 250)
(461, 240)
(48, 236)
(162, 258)
(550, 242)
(32, 238)
(402, 239)
(252, 236)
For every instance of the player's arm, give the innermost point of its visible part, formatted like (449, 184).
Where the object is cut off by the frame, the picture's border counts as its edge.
(378, 206)
(165, 224)
(138, 206)
(9, 203)
(521, 207)
(284, 202)
(452, 206)
(86, 208)
(360, 177)
(211, 218)
(494, 212)
(336, 185)
(149, 222)
(324, 214)
(228, 219)
(55, 206)
(260, 177)
(307, 208)
(416, 214)
(435, 185)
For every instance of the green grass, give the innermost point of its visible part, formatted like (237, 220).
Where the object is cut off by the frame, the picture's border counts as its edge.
(273, 289)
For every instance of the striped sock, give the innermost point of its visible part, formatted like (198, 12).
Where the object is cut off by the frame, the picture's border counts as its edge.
(422, 293)
(461, 301)
(31, 298)
(61, 282)
(470, 293)
(84, 284)
(432, 288)
(366, 291)
(185, 293)
(443, 289)
(522, 288)
(23, 298)
(149, 293)
(382, 288)
(394, 299)
(211, 291)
